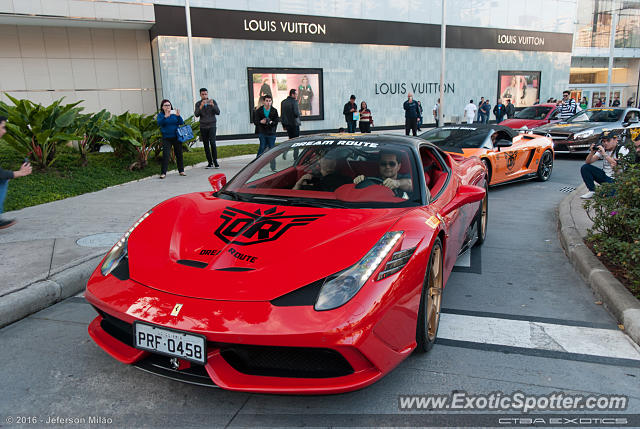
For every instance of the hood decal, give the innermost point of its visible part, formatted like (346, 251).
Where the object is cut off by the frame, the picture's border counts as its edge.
(244, 228)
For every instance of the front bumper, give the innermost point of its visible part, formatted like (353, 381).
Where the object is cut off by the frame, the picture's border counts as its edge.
(562, 143)
(352, 342)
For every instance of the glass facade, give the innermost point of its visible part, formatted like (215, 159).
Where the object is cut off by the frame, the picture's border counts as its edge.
(593, 29)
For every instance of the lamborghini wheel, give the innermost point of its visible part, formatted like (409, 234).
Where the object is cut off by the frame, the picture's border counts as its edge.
(487, 164)
(431, 300)
(546, 167)
(482, 217)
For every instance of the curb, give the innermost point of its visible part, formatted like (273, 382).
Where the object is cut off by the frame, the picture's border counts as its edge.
(615, 297)
(66, 282)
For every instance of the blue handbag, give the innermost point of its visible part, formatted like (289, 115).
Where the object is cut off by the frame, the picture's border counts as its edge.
(185, 133)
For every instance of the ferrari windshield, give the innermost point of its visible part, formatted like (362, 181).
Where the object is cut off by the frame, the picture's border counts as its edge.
(457, 137)
(330, 172)
(597, 115)
(533, 112)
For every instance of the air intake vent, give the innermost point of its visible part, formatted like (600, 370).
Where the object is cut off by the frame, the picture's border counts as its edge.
(398, 260)
(190, 263)
(235, 269)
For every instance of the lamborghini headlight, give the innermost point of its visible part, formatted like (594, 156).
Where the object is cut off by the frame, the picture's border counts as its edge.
(119, 250)
(583, 134)
(341, 287)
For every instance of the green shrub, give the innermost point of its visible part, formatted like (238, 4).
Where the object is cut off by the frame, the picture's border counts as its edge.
(89, 127)
(615, 212)
(132, 135)
(35, 130)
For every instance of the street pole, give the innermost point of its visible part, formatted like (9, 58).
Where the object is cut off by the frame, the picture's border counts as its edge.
(612, 45)
(193, 78)
(443, 37)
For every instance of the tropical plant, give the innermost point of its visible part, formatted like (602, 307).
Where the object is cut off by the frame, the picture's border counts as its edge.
(89, 126)
(35, 130)
(615, 212)
(132, 134)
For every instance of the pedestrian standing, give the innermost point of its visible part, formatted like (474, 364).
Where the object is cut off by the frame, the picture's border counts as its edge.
(510, 109)
(470, 112)
(436, 113)
(480, 118)
(6, 175)
(349, 109)
(411, 113)
(584, 103)
(567, 106)
(169, 119)
(420, 119)
(207, 109)
(499, 111)
(486, 111)
(366, 120)
(266, 120)
(290, 111)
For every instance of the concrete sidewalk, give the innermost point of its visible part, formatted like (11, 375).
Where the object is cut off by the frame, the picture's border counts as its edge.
(50, 253)
(52, 250)
(573, 225)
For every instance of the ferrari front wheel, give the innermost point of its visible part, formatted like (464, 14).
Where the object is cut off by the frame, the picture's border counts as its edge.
(482, 217)
(545, 167)
(431, 300)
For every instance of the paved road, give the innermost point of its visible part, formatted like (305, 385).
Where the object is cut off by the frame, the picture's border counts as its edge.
(516, 318)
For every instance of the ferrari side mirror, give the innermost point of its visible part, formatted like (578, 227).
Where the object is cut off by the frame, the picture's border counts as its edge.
(217, 181)
(466, 194)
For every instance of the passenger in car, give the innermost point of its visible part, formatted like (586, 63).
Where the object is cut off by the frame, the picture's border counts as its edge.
(327, 179)
(389, 166)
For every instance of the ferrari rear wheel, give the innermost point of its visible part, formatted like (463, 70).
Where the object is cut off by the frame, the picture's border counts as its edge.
(487, 164)
(482, 217)
(545, 167)
(431, 300)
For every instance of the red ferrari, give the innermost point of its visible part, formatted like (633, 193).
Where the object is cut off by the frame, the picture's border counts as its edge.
(533, 116)
(317, 269)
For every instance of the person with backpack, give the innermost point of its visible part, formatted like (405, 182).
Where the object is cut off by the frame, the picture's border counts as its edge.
(608, 151)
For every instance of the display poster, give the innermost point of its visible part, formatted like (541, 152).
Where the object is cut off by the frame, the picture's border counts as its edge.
(278, 82)
(521, 87)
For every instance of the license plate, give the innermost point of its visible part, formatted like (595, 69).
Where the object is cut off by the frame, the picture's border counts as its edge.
(170, 342)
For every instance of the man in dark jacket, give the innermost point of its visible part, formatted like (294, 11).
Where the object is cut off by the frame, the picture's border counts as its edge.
(266, 120)
(6, 175)
(411, 113)
(348, 111)
(499, 111)
(206, 110)
(510, 109)
(290, 111)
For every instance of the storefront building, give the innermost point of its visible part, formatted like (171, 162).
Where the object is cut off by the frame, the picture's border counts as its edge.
(378, 50)
(590, 61)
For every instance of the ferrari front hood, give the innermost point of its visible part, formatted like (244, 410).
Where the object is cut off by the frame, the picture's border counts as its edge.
(200, 246)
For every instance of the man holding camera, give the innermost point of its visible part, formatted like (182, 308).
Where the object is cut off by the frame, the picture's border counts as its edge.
(207, 109)
(266, 121)
(608, 151)
(6, 175)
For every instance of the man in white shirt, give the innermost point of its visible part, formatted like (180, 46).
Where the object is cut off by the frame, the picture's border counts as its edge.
(436, 113)
(608, 151)
(470, 112)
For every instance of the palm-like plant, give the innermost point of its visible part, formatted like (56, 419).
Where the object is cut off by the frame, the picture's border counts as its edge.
(132, 133)
(35, 130)
(89, 127)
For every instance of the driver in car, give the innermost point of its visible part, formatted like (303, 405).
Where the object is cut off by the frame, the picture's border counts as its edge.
(328, 180)
(389, 166)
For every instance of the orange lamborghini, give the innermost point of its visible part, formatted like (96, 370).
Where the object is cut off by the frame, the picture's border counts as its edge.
(507, 154)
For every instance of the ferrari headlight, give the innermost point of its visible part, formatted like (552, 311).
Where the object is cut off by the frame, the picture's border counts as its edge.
(119, 250)
(583, 134)
(340, 288)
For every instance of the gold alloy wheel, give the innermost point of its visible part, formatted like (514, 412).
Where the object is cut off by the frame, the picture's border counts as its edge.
(484, 217)
(434, 297)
